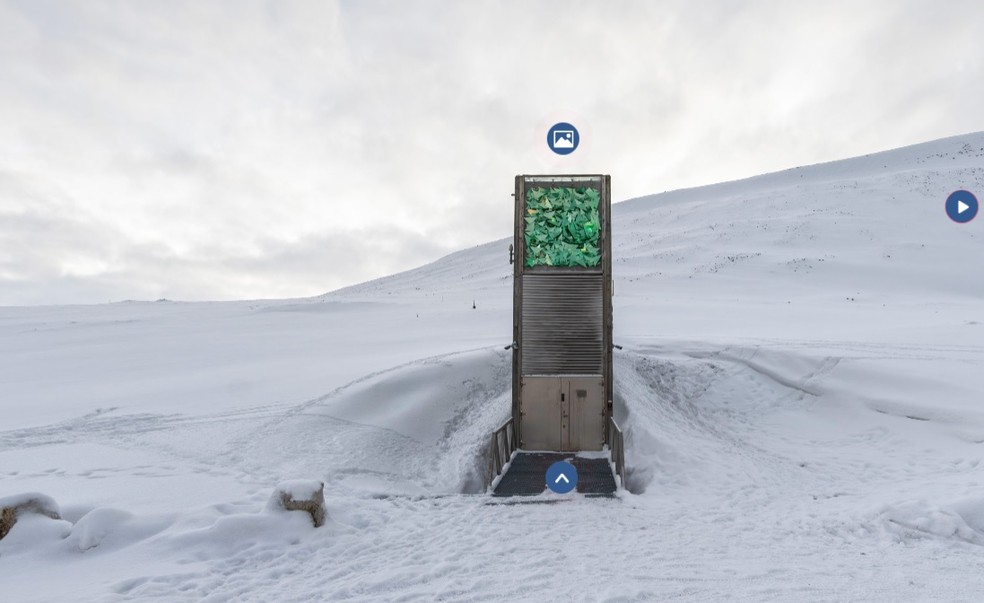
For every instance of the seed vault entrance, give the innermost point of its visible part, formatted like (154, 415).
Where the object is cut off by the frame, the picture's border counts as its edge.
(562, 340)
(562, 313)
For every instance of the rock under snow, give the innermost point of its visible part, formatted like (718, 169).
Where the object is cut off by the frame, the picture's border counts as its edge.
(301, 495)
(31, 502)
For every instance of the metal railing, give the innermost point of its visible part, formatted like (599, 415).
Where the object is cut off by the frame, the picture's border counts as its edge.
(501, 448)
(617, 444)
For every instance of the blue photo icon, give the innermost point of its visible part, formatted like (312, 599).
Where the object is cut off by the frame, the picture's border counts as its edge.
(563, 138)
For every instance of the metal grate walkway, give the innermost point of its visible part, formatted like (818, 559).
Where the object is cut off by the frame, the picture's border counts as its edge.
(527, 474)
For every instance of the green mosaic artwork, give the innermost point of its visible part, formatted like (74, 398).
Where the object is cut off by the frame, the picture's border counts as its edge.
(563, 227)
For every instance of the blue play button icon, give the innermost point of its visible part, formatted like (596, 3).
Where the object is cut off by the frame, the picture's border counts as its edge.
(961, 206)
(561, 477)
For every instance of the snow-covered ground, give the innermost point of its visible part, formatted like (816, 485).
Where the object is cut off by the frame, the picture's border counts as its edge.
(800, 388)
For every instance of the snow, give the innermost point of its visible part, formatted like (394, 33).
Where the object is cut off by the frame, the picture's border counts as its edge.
(33, 502)
(108, 529)
(296, 489)
(798, 389)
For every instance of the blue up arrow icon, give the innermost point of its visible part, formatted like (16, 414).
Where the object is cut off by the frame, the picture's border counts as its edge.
(561, 477)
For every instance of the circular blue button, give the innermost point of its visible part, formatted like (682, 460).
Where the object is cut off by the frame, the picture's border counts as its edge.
(563, 138)
(562, 477)
(961, 206)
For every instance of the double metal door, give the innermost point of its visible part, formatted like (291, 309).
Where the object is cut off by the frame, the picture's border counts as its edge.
(562, 413)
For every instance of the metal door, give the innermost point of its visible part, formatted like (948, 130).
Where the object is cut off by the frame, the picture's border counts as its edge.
(585, 422)
(540, 413)
(562, 413)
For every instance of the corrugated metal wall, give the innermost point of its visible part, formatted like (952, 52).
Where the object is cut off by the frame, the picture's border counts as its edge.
(562, 324)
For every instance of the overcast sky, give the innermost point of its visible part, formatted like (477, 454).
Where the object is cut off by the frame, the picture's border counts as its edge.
(244, 149)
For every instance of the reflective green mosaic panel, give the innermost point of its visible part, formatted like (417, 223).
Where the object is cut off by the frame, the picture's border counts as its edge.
(563, 227)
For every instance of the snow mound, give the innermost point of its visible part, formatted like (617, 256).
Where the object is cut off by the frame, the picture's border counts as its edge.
(418, 428)
(111, 529)
(34, 532)
(238, 532)
(962, 520)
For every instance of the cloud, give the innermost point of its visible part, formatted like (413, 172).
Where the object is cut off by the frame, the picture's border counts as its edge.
(188, 149)
(47, 257)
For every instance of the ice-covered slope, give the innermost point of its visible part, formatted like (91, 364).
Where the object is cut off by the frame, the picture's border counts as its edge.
(799, 388)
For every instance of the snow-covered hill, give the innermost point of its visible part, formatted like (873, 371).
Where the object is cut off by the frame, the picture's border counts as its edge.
(799, 386)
